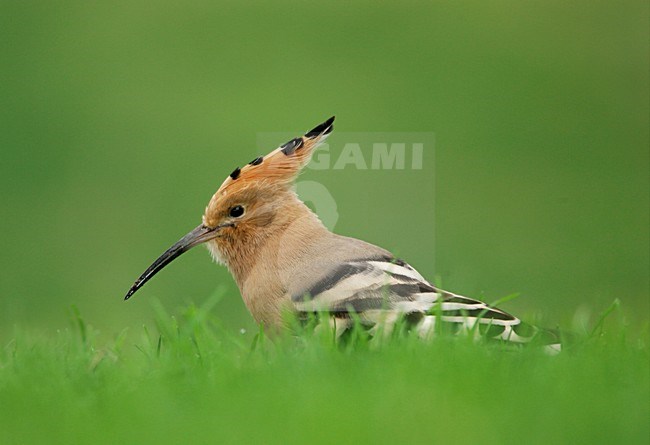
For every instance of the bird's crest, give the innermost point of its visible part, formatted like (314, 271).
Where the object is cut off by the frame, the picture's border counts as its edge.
(281, 166)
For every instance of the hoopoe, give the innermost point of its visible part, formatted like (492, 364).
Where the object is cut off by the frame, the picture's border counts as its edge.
(284, 259)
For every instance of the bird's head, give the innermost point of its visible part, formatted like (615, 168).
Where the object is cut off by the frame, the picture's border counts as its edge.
(250, 204)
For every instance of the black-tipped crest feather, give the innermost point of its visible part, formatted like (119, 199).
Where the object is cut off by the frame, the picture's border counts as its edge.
(291, 146)
(235, 173)
(322, 129)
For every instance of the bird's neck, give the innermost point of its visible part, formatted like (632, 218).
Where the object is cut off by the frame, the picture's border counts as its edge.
(268, 249)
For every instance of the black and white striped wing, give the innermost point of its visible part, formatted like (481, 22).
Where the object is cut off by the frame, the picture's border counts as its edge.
(380, 291)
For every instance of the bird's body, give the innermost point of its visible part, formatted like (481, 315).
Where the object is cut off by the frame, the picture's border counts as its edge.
(284, 259)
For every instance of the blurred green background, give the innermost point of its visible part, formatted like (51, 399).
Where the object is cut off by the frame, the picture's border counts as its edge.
(118, 120)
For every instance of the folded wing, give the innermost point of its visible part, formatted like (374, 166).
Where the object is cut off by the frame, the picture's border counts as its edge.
(380, 291)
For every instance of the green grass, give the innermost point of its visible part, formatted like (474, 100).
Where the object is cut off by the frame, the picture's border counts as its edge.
(193, 381)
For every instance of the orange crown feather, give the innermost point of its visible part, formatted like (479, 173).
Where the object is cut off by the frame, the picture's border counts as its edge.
(282, 165)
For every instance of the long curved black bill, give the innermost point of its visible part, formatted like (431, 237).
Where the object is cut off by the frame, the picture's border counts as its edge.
(197, 236)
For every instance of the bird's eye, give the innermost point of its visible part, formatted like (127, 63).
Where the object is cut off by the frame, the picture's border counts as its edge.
(236, 211)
